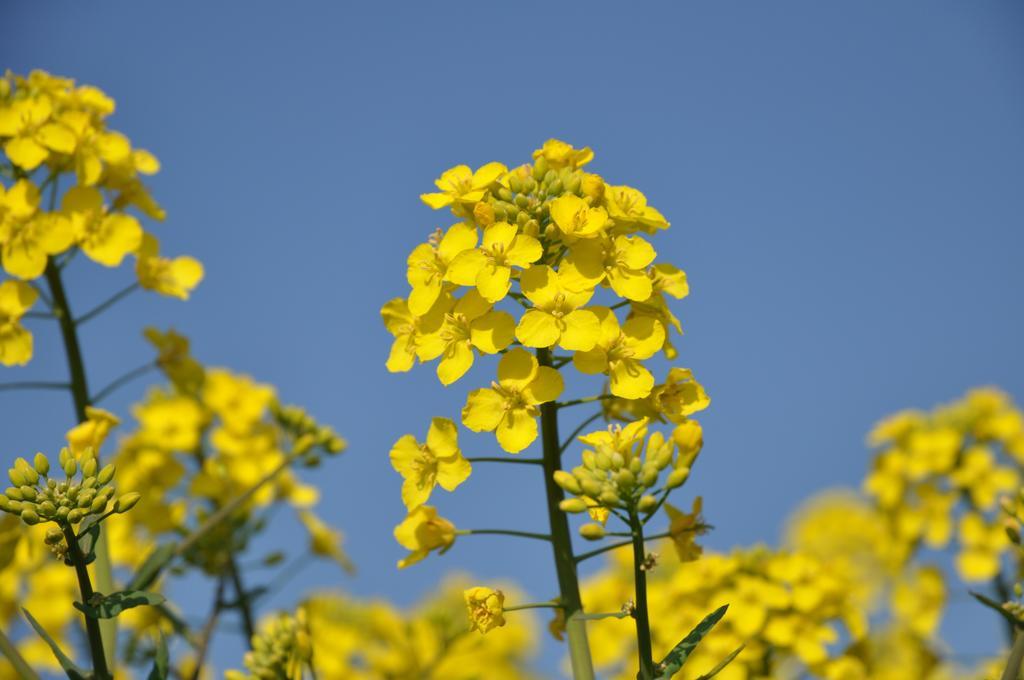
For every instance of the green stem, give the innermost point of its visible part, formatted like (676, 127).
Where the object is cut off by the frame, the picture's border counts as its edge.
(92, 627)
(575, 433)
(505, 459)
(561, 539)
(242, 599)
(533, 605)
(16, 660)
(109, 302)
(584, 400)
(643, 623)
(34, 385)
(613, 546)
(504, 532)
(122, 380)
(1013, 664)
(80, 396)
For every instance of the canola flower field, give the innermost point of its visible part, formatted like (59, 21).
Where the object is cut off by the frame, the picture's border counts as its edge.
(545, 273)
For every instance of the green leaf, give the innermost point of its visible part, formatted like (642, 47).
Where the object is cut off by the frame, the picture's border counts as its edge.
(674, 660)
(109, 606)
(73, 671)
(998, 608)
(88, 537)
(17, 661)
(160, 661)
(152, 566)
(720, 666)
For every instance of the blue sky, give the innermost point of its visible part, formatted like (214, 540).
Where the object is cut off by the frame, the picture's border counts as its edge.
(844, 182)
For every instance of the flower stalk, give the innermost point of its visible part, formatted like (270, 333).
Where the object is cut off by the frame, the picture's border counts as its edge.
(92, 626)
(643, 625)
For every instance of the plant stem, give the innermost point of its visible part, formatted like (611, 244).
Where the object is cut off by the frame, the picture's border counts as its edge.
(209, 629)
(561, 539)
(242, 600)
(504, 532)
(505, 459)
(613, 546)
(122, 380)
(579, 428)
(92, 627)
(34, 385)
(80, 397)
(1013, 664)
(643, 623)
(533, 605)
(106, 304)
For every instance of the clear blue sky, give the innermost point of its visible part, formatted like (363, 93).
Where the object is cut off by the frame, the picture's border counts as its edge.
(845, 183)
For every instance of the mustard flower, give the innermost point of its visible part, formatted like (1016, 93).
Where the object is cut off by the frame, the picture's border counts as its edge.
(325, 541)
(438, 461)
(558, 154)
(489, 267)
(684, 528)
(89, 435)
(428, 264)
(461, 185)
(29, 238)
(175, 277)
(557, 316)
(472, 323)
(621, 261)
(16, 298)
(509, 406)
(486, 608)
(31, 133)
(105, 237)
(422, 531)
(619, 351)
(577, 219)
(409, 329)
(628, 208)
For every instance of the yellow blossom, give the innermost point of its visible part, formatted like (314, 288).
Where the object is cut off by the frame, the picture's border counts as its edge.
(175, 277)
(556, 316)
(917, 600)
(576, 219)
(486, 608)
(237, 399)
(325, 541)
(90, 434)
(461, 185)
(31, 135)
(509, 406)
(28, 237)
(409, 329)
(171, 423)
(436, 461)
(621, 261)
(981, 546)
(628, 208)
(982, 478)
(684, 528)
(471, 324)
(489, 267)
(559, 154)
(16, 298)
(428, 264)
(105, 237)
(421, 531)
(619, 351)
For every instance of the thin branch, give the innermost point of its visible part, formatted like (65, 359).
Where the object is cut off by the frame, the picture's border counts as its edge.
(209, 628)
(243, 603)
(123, 380)
(534, 605)
(109, 302)
(39, 315)
(504, 532)
(584, 400)
(613, 546)
(34, 385)
(505, 459)
(16, 660)
(575, 433)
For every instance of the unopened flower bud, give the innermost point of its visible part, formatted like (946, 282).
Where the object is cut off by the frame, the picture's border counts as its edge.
(106, 474)
(1012, 528)
(13, 493)
(75, 516)
(28, 493)
(70, 467)
(617, 461)
(27, 471)
(41, 464)
(625, 479)
(98, 506)
(47, 509)
(647, 503)
(63, 512)
(13, 506)
(127, 502)
(609, 497)
(29, 516)
(89, 467)
(602, 460)
(677, 477)
(54, 536)
(592, 532)
(16, 477)
(591, 487)
(649, 475)
(567, 482)
(573, 505)
(85, 499)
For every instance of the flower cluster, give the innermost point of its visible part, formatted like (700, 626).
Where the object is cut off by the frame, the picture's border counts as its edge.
(73, 184)
(938, 476)
(280, 651)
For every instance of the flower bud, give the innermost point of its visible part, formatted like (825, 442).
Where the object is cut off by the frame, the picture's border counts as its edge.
(573, 505)
(85, 499)
(75, 516)
(63, 512)
(16, 477)
(30, 475)
(609, 497)
(14, 506)
(602, 460)
(13, 493)
(4, 502)
(677, 477)
(99, 506)
(647, 503)
(625, 479)
(29, 516)
(41, 464)
(567, 482)
(649, 475)
(1012, 528)
(591, 487)
(592, 532)
(64, 456)
(70, 467)
(89, 467)
(106, 474)
(54, 536)
(127, 502)
(47, 509)
(617, 460)
(28, 493)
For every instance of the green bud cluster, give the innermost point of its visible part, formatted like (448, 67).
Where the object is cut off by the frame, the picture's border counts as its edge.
(612, 479)
(307, 432)
(525, 200)
(86, 490)
(281, 650)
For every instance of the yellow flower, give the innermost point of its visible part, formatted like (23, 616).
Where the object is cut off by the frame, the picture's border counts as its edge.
(556, 317)
(576, 219)
(559, 154)
(92, 432)
(509, 406)
(175, 361)
(918, 599)
(684, 528)
(461, 185)
(680, 395)
(980, 476)
(237, 399)
(325, 541)
(486, 608)
(489, 267)
(28, 237)
(428, 264)
(421, 531)
(621, 260)
(176, 277)
(619, 351)
(472, 323)
(409, 329)
(436, 461)
(628, 208)
(170, 423)
(106, 237)
(31, 132)
(806, 637)
(16, 298)
(981, 546)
